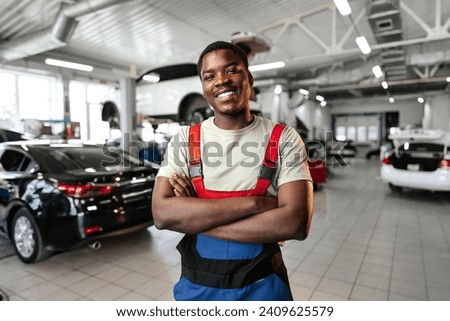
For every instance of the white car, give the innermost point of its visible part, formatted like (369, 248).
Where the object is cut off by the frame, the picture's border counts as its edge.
(420, 160)
(174, 92)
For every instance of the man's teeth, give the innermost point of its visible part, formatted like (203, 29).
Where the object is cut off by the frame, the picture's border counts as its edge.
(226, 94)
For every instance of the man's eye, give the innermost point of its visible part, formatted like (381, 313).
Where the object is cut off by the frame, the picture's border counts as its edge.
(208, 77)
(233, 70)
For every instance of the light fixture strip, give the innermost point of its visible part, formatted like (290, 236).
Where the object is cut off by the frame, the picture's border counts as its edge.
(343, 7)
(303, 92)
(363, 45)
(151, 78)
(377, 71)
(68, 64)
(268, 66)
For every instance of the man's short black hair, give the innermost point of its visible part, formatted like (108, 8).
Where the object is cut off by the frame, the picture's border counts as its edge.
(217, 45)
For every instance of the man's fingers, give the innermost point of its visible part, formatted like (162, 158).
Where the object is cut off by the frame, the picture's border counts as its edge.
(181, 181)
(188, 185)
(177, 187)
(182, 184)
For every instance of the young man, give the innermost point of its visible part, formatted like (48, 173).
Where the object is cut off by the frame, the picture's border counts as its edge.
(235, 185)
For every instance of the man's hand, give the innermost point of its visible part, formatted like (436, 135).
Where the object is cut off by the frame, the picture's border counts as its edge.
(182, 185)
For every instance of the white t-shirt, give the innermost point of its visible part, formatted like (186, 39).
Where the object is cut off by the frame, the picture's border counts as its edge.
(231, 159)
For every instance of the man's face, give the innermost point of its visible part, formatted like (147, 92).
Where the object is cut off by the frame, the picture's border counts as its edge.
(226, 82)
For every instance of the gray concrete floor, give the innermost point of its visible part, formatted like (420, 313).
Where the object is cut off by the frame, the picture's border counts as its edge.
(366, 243)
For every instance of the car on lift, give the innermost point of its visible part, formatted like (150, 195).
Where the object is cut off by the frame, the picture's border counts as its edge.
(174, 92)
(420, 160)
(7, 135)
(58, 196)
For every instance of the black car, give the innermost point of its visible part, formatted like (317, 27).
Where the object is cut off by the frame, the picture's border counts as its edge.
(7, 135)
(56, 197)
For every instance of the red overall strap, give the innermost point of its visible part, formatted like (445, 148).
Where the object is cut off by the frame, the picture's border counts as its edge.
(194, 143)
(268, 167)
(195, 162)
(269, 164)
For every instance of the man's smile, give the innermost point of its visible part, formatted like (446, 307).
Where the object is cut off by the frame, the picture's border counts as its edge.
(225, 95)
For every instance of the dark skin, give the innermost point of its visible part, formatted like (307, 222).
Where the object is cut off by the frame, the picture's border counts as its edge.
(227, 88)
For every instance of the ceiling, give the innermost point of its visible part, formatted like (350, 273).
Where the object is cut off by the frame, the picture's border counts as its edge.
(410, 39)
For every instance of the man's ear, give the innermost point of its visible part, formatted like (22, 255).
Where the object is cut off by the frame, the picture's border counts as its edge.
(250, 78)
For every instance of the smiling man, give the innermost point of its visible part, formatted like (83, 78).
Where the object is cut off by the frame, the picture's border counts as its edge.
(235, 185)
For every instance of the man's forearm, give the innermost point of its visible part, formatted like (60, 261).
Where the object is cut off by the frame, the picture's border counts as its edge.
(291, 220)
(192, 215)
(268, 227)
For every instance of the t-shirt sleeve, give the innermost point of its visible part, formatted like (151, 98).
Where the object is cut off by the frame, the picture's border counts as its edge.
(293, 158)
(176, 156)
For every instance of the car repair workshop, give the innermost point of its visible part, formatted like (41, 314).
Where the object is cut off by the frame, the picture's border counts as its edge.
(124, 174)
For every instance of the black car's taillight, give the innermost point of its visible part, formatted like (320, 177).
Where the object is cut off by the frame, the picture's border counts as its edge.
(84, 190)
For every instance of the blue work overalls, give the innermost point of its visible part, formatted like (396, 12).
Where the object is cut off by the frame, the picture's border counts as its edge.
(222, 270)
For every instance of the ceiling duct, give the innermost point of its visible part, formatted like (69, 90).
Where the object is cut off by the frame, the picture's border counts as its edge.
(64, 26)
(386, 23)
(56, 36)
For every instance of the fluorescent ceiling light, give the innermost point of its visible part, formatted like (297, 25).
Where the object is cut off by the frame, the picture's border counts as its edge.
(67, 64)
(420, 100)
(323, 103)
(271, 65)
(391, 100)
(377, 71)
(448, 79)
(384, 84)
(320, 98)
(363, 45)
(154, 78)
(343, 7)
(303, 91)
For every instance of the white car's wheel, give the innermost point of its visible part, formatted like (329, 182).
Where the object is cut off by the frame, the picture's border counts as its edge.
(196, 111)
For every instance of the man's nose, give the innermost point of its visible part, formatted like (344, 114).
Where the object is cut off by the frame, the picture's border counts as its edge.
(222, 79)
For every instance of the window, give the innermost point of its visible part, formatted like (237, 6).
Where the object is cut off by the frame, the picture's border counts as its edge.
(11, 160)
(340, 133)
(34, 97)
(74, 159)
(373, 133)
(27, 96)
(8, 106)
(351, 133)
(85, 108)
(362, 133)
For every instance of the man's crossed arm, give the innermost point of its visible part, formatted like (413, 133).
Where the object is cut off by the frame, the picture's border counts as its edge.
(255, 219)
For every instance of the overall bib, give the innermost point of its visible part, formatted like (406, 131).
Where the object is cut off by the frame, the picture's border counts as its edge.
(221, 270)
